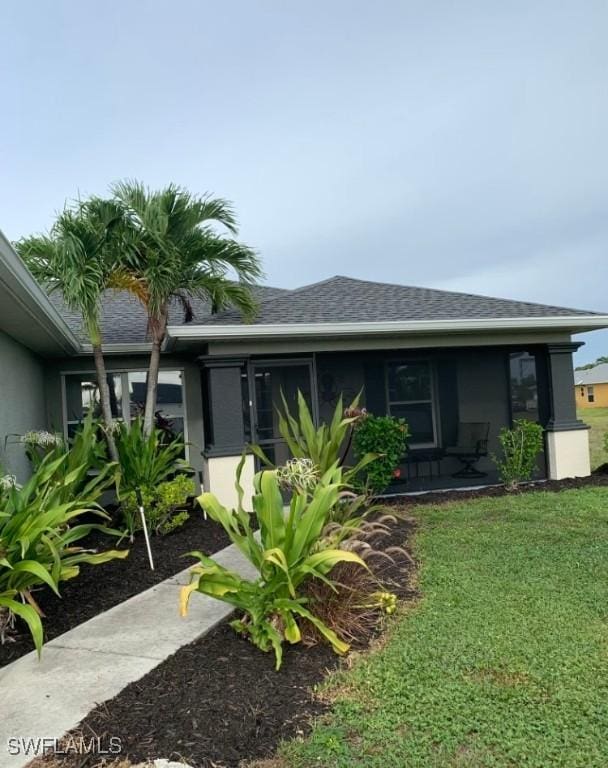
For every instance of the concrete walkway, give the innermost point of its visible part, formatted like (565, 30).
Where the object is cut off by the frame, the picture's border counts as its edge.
(96, 660)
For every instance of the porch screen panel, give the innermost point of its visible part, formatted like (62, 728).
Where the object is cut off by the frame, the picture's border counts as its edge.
(524, 386)
(410, 397)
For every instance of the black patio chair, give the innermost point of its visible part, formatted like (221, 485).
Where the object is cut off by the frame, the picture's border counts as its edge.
(471, 446)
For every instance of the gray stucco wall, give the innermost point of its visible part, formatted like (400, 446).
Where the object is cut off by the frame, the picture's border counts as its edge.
(22, 402)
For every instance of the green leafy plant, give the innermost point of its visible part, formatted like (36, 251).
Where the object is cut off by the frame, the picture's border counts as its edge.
(386, 437)
(146, 460)
(285, 557)
(82, 466)
(39, 443)
(39, 531)
(521, 447)
(327, 445)
(162, 504)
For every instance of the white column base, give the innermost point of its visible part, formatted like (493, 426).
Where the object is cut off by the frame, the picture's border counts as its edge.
(219, 478)
(568, 454)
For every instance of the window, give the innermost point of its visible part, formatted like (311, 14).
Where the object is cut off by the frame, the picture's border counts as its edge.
(127, 398)
(524, 386)
(82, 396)
(410, 397)
(590, 394)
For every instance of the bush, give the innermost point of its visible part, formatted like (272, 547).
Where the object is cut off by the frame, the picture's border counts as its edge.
(285, 557)
(146, 463)
(39, 532)
(521, 446)
(386, 438)
(162, 505)
(325, 446)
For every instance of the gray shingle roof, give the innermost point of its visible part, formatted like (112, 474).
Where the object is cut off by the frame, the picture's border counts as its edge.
(123, 319)
(344, 299)
(596, 375)
(338, 299)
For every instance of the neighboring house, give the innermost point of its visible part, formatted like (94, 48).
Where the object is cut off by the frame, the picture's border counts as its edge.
(591, 387)
(443, 361)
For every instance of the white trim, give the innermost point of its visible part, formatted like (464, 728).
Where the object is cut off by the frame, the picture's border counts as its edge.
(575, 323)
(118, 348)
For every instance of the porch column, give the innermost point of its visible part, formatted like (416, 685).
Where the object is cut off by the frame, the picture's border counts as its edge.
(567, 437)
(226, 434)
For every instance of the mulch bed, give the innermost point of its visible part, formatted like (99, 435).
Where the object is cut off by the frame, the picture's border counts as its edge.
(219, 701)
(99, 587)
(598, 478)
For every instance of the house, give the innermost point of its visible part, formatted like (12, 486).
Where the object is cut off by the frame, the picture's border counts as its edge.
(443, 361)
(591, 387)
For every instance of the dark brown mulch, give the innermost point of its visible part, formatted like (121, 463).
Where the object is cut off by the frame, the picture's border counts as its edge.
(99, 587)
(598, 478)
(219, 701)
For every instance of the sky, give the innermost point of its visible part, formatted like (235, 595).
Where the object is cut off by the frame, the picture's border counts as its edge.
(450, 145)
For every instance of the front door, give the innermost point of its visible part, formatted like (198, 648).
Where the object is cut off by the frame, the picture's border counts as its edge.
(270, 379)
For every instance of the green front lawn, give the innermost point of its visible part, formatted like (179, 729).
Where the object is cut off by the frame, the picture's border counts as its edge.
(504, 660)
(597, 419)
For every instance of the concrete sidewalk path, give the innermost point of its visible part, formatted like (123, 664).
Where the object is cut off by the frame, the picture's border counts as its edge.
(94, 661)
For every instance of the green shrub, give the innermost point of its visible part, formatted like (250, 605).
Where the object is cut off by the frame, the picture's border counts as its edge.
(162, 506)
(39, 532)
(386, 438)
(521, 446)
(285, 557)
(327, 445)
(146, 463)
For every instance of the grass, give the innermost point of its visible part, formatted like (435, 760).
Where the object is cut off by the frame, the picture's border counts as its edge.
(597, 419)
(502, 662)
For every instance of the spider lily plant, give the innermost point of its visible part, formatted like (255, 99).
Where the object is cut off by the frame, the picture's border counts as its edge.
(285, 555)
(327, 445)
(39, 535)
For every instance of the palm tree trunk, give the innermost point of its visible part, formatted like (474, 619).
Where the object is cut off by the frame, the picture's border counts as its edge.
(158, 335)
(104, 399)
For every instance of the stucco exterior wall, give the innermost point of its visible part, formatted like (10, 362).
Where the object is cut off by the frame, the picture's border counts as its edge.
(22, 402)
(600, 396)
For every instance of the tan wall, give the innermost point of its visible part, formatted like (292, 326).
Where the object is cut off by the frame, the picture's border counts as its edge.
(219, 478)
(600, 396)
(568, 454)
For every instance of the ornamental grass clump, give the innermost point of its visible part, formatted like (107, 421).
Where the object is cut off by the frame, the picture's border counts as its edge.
(521, 447)
(274, 606)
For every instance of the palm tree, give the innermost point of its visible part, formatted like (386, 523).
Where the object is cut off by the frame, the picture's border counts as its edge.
(76, 259)
(170, 252)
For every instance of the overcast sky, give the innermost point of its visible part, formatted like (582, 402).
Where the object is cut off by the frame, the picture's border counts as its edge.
(452, 145)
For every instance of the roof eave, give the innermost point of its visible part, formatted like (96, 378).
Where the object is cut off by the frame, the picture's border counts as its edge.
(53, 335)
(216, 332)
